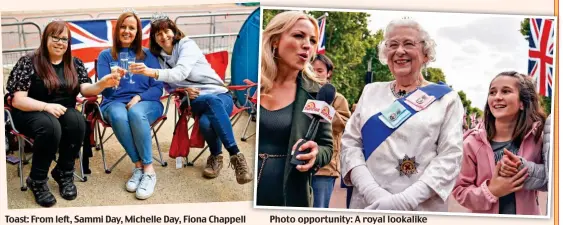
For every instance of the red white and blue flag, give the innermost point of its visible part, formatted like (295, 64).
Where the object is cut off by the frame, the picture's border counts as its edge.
(322, 40)
(541, 54)
(90, 37)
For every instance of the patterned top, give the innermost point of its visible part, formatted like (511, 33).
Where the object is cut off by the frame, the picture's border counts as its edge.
(20, 77)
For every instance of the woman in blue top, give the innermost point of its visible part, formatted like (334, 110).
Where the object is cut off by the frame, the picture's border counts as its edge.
(185, 66)
(132, 107)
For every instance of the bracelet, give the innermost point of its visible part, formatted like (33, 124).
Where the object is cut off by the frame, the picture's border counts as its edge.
(44, 107)
(156, 74)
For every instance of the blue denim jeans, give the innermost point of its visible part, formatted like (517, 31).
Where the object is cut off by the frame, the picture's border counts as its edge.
(322, 190)
(214, 120)
(132, 127)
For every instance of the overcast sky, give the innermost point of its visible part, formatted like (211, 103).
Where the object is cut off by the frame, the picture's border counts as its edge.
(471, 48)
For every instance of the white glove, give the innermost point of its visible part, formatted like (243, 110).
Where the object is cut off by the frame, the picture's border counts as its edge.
(363, 180)
(407, 200)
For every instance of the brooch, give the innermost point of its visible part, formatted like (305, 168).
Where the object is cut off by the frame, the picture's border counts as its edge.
(421, 99)
(407, 166)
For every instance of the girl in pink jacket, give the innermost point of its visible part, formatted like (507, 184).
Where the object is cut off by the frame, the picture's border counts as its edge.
(499, 157)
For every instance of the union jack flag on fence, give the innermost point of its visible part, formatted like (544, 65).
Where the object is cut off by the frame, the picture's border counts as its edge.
(322, 40)
(90, 37)
(541, 53)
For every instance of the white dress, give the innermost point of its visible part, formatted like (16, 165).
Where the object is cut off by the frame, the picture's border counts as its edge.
(432, 136)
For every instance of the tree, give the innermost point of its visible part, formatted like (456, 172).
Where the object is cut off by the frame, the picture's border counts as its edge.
(435, 75)
(354, 50)
(268, 15)
(525, 31)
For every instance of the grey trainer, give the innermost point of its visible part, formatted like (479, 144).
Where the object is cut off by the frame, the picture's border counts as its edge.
(146, 187)
(135, 179)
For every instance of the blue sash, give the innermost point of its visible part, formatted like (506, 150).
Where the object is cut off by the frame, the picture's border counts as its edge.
(381, 125)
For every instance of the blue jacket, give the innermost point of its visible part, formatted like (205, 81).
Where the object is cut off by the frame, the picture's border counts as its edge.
(147, 88)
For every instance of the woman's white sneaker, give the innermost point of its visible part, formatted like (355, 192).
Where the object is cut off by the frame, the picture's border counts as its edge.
(146, 187)
(135, 179)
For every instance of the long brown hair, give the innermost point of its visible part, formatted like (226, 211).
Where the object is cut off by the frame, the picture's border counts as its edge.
(533, 111)
(160, 25)
(42, 60)
(136, 45)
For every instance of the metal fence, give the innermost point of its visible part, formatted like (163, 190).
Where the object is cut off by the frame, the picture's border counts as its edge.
(10, 58)
(209, 43)
(212, 31)
(18, 39)
(9, 19)
(212, 23)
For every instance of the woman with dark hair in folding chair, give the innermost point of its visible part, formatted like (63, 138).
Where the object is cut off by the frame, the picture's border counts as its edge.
(43, 86)
(135, 105)
(186, 67)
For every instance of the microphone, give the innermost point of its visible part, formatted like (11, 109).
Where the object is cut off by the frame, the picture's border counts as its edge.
(320, 110)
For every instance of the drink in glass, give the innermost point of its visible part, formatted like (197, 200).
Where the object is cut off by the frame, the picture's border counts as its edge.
(123, 58)
(130, 62)
(114, 66)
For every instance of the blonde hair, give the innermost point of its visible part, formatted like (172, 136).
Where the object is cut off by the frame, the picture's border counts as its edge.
(277, 26)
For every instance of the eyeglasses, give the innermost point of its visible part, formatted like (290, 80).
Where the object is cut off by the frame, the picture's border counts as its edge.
(57, 39)
(408, 44)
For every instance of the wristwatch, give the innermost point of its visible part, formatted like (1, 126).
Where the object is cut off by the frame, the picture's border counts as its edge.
(156, 74)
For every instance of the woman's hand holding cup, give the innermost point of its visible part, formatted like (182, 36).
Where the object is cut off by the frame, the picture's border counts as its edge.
(112, 79)
(141, 68)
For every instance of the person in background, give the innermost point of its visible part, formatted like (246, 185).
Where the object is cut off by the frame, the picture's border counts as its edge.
(500, 157)
(546, 149)
(43, 86)
(133, 107)
(185, 66)
(324, 179)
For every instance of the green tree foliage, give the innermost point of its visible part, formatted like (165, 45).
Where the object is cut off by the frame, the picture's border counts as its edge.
(435, 75)
(347, 38)
(268, 15)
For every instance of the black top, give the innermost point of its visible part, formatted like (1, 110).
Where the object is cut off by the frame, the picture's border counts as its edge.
(24, 78)
(275, 128)
(507, 203)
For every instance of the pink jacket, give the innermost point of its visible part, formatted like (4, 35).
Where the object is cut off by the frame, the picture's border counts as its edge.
(477, 166)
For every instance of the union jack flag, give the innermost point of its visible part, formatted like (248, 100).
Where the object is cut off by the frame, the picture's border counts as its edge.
(540, 63)
(90, 37)
(322, 40)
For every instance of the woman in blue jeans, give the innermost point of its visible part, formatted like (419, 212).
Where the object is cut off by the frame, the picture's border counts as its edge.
(132, 107)
(186, 67)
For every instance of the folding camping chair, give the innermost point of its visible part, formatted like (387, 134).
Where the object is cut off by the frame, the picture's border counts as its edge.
(219, 62)
(22, 140)
(253, 101)
(100, 122)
